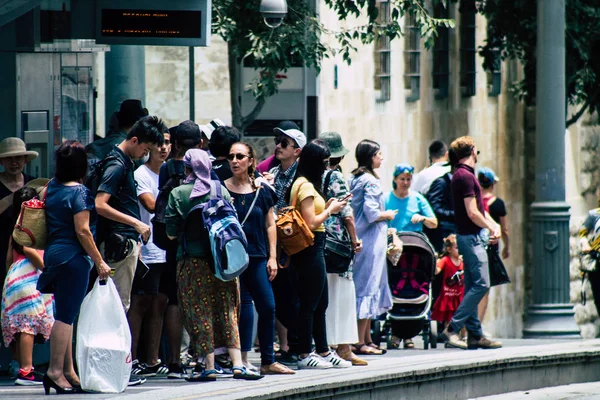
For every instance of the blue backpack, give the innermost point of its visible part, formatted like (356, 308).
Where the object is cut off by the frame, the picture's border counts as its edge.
(226, 238)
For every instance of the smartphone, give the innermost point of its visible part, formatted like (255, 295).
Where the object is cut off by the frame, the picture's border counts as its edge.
(346, 197)
(142, 269)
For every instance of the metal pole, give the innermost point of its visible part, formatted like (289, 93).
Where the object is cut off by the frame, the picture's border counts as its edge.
(192, 83)
(125, 77)
(550, 314)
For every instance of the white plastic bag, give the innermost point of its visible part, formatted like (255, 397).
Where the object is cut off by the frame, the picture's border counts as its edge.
(103, 341)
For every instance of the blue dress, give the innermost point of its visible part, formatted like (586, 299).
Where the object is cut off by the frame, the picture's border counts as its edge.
(373, 295)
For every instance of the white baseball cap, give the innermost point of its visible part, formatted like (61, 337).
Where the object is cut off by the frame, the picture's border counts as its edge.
(209, 128)
(298, 136)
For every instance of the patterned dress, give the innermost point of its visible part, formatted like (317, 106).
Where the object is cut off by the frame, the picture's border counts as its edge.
(24, 308)
(373, 295)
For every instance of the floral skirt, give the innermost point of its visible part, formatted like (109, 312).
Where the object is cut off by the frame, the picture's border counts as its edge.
(209, 306)
(24, 308)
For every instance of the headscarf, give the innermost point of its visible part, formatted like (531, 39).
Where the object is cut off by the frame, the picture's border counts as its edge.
(197, 160)
(402, 169)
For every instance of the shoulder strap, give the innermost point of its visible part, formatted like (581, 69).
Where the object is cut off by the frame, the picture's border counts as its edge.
(215, 189)
(251, 206)
(170, 168)
(295, 200)
(327, 181)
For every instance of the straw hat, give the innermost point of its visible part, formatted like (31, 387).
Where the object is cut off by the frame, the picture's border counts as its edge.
(38, 184)
(14, 147)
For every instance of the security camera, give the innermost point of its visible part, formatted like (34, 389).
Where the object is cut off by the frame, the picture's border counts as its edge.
(273, 11)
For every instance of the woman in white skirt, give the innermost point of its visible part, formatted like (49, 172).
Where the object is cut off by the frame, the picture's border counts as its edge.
(341, 312)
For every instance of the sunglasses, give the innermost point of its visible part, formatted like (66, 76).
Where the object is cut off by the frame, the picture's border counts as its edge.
(283, 142)
(238, 156)
(403, 169)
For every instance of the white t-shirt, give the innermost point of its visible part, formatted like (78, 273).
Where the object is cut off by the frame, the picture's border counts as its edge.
(147, 182)
(422, 181)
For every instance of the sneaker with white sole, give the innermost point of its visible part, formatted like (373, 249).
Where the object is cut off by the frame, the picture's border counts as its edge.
(336, 360)
(141, 369)
(314, 361)
(159, 369)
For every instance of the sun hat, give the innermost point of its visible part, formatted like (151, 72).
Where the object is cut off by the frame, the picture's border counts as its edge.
(334, 142)
(489, 174)
(38, 184)
(15, 147)
(209, 128)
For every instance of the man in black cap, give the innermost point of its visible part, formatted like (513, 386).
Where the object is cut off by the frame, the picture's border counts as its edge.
(130, 111)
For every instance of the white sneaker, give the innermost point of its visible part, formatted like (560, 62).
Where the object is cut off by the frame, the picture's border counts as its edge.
(314, 361)
(337, 361)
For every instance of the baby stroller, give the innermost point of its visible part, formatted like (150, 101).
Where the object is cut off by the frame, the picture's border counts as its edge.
(410, 281)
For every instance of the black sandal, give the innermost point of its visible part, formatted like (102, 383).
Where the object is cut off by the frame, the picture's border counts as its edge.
(374, 346)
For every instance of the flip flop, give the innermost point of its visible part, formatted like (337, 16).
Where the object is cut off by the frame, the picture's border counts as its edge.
(409, 344)
(204, 376)
(363, 349)
(374, 346)
(245, 374)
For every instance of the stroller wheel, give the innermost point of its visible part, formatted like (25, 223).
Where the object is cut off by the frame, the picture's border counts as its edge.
(433, 336)
(426, 334)
(377, 332)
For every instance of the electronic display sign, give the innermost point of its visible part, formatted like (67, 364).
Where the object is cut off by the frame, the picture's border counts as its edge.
(153, 22)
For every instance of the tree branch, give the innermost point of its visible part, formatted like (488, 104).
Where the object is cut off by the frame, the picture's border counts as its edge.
(578, 114)
(248, 119)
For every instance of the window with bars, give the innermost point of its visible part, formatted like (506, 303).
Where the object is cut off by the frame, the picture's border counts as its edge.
(468, 47)
(441, 55)
(412, 58)
(383, 55)
(494, 75)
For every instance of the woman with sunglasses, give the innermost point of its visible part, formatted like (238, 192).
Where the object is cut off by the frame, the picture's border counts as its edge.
(254, 205)
(373, 296)
(413, 209)
(308, 266)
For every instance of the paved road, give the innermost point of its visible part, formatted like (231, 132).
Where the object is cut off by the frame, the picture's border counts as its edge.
(587, 391)
(8, 391)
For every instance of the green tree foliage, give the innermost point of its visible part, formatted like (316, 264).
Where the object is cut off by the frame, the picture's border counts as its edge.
(512, 30)
(301, 40)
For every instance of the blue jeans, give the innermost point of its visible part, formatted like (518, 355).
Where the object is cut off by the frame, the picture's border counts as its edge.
(255, 285)
(477, 283)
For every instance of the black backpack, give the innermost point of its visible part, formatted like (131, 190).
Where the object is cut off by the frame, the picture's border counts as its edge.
(92, 182)
(159, 228)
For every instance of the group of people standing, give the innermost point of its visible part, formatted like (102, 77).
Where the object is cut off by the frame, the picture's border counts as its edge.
(108, 225)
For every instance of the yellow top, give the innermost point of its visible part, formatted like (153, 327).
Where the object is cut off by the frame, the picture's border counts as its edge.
(308, 190)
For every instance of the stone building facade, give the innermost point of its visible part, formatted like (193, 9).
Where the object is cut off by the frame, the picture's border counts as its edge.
(349, 102)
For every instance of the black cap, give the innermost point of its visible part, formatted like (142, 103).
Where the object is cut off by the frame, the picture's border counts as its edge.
(284, 126)
(131, 110)
(186, 133)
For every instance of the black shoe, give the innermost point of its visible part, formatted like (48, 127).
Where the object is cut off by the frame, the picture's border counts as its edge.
(176, 372)
(288, 359)
(135, 380)
(159, 369)
(50, 384)
(141, 369)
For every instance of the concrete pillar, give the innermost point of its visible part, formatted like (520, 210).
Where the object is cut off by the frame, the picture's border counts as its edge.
(125, 76)
(550, 314)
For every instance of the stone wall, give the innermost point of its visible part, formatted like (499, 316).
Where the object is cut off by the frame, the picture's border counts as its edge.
(405, 129)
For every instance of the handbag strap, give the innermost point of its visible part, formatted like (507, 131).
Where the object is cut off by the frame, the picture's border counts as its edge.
(327, 182)
(251, 206)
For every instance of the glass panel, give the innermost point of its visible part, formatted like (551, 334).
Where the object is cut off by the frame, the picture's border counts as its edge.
(75, 103)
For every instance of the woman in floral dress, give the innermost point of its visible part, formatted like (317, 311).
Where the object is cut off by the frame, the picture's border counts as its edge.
(373, 296)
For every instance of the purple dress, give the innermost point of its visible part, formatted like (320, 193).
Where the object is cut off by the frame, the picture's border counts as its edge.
(373, 296)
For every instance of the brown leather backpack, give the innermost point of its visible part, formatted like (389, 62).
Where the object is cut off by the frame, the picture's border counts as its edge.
(293, 234)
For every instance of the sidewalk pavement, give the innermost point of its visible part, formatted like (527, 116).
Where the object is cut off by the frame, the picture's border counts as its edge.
(397, 367)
